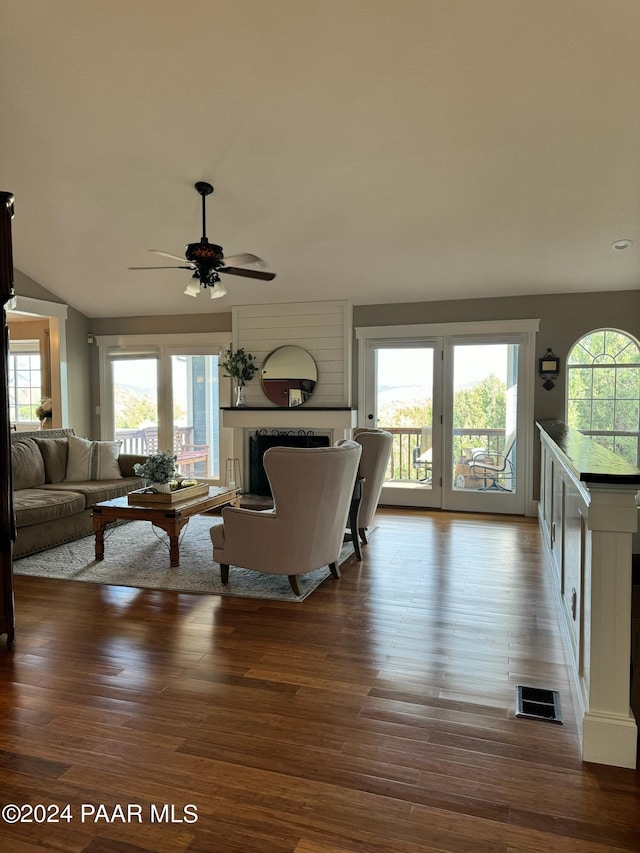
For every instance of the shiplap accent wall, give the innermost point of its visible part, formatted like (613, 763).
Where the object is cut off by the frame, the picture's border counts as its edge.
(324, 329)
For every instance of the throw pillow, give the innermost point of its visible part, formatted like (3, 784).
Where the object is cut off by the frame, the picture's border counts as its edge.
(27, 465)
(54, 452)
(92, 460)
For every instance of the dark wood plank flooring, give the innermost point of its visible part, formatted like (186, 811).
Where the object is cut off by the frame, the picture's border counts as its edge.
(376, 716)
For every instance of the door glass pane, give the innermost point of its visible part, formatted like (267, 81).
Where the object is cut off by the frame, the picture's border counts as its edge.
(484, 417)
(404, 407)
(135, 404)
(195, 401)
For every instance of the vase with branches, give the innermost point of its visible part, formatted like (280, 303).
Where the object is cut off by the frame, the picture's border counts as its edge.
(241, 367)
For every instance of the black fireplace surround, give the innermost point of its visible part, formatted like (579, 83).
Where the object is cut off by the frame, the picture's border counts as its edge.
(263, 439)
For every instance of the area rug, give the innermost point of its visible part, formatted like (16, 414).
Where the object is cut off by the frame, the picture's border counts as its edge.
(137, 554)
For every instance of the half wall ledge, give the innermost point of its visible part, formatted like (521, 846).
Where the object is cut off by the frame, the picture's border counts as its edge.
(588, 516)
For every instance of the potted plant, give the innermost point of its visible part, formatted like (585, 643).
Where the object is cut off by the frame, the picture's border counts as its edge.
(239, 365)
(159, 469)
(44, 410)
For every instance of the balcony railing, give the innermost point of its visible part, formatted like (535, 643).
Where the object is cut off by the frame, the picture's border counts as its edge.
(405, 439)
(191, 459)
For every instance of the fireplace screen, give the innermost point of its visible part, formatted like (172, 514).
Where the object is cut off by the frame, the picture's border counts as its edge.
(262, 441)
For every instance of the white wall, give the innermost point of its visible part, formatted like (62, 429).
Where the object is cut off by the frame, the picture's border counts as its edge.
(321, 328)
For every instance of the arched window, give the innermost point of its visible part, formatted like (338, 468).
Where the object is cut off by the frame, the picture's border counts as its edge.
(603, 390)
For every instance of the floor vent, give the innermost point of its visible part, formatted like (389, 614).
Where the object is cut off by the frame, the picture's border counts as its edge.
(532, 703)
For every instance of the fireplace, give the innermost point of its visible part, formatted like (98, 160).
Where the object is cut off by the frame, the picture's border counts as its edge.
(242, 424)
(263, 439)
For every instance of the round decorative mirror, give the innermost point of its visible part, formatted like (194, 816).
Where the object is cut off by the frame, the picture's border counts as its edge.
(288, 376)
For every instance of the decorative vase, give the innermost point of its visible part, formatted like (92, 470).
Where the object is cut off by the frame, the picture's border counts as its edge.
(164, 488)
(241, 394)
(46, 423)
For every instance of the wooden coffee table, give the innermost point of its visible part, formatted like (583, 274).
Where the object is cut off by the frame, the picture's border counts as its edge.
(169, 517)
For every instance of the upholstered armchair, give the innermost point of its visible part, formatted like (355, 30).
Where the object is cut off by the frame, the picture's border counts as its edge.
(376, 451)
(312, 490)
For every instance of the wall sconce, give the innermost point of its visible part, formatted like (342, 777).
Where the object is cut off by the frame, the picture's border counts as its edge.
(548, 369)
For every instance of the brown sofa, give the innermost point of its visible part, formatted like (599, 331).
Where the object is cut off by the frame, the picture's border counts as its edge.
(48, 510)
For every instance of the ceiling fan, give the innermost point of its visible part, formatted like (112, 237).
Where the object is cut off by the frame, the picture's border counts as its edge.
(206, 260)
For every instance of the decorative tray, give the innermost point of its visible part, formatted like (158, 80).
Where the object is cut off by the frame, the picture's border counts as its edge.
(142, 496)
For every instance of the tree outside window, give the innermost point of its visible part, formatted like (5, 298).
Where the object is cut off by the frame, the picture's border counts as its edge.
(603, 391)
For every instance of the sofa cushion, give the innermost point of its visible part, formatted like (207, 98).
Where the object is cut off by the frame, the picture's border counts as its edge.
(54, 452)
(27, 464)
(94, 492)
(34, 506)
(92, 460)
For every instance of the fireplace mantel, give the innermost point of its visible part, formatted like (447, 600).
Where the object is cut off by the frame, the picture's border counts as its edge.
(298, 417)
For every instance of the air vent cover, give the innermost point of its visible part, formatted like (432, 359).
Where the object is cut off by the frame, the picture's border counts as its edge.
(534, 703)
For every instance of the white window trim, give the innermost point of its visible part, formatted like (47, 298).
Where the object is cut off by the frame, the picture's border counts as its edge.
(30, 347)
(25, 347)
(200, 343)
(56, 313)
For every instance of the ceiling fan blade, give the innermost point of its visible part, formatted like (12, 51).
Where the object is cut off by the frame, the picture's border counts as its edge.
(167, 255)
(246, 258)
(160, 268)
(265, 276)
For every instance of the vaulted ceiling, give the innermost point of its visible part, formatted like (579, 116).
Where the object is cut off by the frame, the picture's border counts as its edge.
(394, 151)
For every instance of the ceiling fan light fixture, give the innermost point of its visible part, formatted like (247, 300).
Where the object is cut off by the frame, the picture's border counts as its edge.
(192, 289)
(204, 252)
(218, 291)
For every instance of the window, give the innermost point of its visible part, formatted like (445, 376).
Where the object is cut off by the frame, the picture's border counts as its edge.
(603, 390)
(162, 392)
(25, 381)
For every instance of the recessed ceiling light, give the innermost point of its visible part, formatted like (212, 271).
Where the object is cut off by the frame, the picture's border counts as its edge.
(619, 245)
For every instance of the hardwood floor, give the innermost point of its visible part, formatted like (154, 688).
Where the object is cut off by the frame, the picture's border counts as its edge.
(377, 716)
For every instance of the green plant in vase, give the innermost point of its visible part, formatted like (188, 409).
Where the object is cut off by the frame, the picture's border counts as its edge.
(44, 411)
(159, 469)
(241, 367)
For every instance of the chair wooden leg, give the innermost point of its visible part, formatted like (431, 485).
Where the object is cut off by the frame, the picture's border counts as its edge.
(335, 571)
(224, 573)
(295, 586)
(363, 536)
(354, 509)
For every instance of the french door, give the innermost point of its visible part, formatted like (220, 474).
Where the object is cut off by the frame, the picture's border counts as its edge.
(459, 407)
(485, 425)
(403, 395)
(164, 395)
